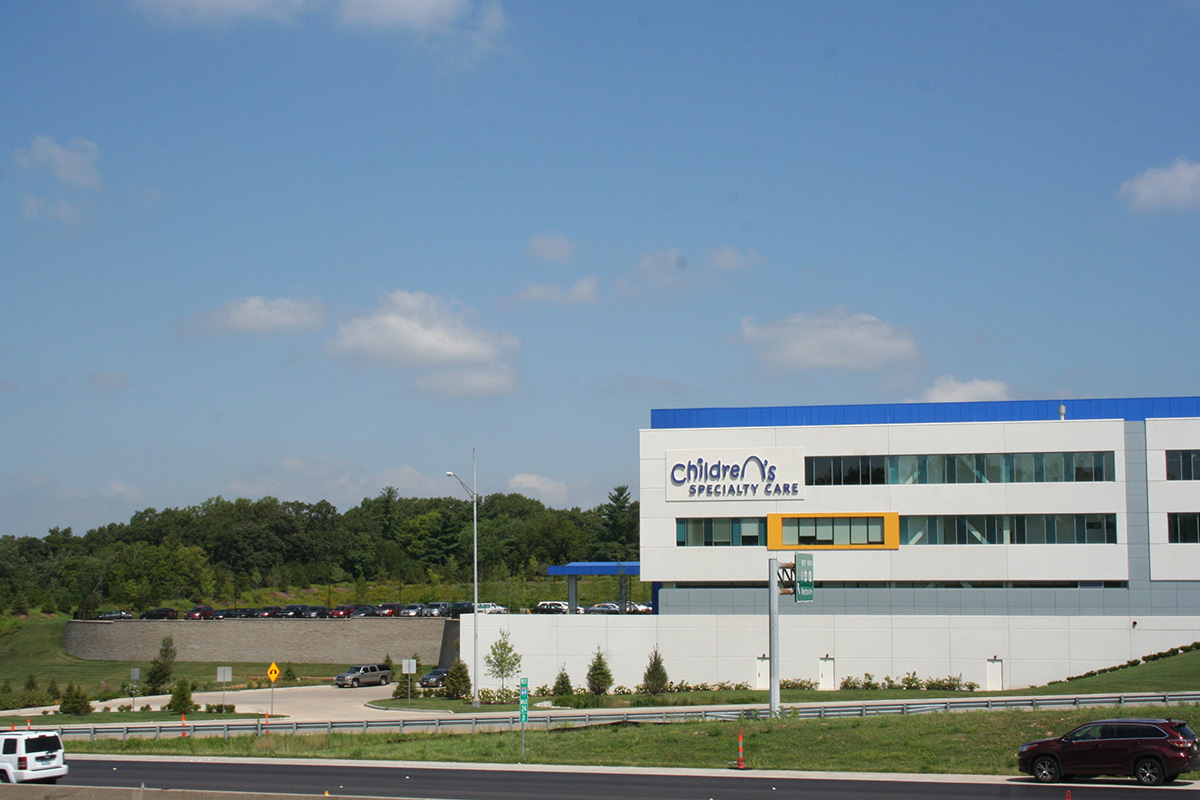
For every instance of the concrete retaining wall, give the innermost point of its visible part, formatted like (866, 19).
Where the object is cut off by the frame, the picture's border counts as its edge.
(320, 641)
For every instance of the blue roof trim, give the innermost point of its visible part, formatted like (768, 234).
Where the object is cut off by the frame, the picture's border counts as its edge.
(597, 568)
(1133, 409)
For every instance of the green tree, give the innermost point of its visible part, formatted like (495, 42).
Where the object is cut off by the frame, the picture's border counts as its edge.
(161, 667)
(654, 679)
(503, 661)
(458, 681)
(599, 677)
(75, 702)
(31, 683)
(52, 690)
(618, 540)
(181, 697)
(562, 683)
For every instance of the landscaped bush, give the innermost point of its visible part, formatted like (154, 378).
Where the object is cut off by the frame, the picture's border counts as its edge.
(219, 708)
(581, 700)
(507, 695)
(794, 683)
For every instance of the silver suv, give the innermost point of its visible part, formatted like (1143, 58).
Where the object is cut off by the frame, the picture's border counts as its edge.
(31, 756)
(364, 675)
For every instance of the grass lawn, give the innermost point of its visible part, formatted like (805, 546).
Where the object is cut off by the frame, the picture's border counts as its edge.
(977, 742)
(33, 646)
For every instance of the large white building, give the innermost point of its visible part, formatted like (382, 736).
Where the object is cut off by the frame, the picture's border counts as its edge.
(1009, 543)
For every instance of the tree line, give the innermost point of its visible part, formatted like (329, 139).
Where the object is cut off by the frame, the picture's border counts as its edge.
(221, 548)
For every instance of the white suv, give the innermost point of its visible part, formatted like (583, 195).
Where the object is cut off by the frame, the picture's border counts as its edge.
(31, 756)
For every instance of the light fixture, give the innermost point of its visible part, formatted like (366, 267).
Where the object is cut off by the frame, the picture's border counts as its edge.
(470, 490)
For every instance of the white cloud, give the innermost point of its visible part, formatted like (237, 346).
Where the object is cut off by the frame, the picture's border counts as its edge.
(105, 381)
(74, 163)
(119, 490)
(550, 492)
(584, 291)
(552, 247)
(493, 379)
(831, 339)
(948, 389)
(728, 259)
(1175, 187)
(259, 315)
(208, 12)
(662, 267)
(36, 208)
(415, 15)
(416, 330)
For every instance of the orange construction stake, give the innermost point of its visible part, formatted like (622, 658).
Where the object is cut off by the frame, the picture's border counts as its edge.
(741, 762)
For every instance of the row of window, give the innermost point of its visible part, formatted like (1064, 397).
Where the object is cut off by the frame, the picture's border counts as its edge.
(961, 468)
(1183, 465)
(920, 530)
(1009, 529)
(915, 585)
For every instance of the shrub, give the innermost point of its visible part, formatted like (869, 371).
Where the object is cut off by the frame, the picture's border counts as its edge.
(911, 681)
(599, 677)
(181, 698)
(75, 702)
(458, 682)
(562, 683)
(654, 679)
(851, 682)
(499, 695)
(581, 700)
(869, 681)
(789, 683)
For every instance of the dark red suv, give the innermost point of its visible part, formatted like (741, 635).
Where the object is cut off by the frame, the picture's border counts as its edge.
(1152, 750)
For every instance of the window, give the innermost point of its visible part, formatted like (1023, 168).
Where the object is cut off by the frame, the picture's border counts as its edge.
(1013, 529)
(1183, 465)
(1183, 528)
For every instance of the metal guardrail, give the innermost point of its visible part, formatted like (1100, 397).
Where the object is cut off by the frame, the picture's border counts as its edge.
(475, 724)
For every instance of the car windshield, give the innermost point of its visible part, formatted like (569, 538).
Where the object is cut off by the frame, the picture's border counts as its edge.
(43, 744)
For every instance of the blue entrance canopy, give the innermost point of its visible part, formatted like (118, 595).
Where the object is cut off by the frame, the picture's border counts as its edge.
(597, 568)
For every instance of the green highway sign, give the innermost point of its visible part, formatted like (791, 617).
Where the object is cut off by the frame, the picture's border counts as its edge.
(804, 578)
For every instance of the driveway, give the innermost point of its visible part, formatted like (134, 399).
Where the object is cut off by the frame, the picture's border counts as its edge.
(299, 703)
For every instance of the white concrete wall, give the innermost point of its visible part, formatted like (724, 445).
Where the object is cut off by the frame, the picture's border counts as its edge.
(703, 648)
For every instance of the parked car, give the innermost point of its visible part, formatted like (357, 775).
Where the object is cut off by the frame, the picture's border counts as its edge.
(603, 608)
(222, 613)
(492, 608)
(270, 612)
(161, 613)
(364, 675)
(295, 611)
(31, 756)
(243, 613)
(434, 678)
(412, 610)
(114, 615)
(341, 612)
(388, 610)
(1153, 751)
(365, 611)
(551, 607)
(437, 609)
(316, 612)
(460, 608)
(199, 612)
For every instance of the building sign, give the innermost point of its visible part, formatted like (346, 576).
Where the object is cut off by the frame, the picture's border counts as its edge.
(761, 474)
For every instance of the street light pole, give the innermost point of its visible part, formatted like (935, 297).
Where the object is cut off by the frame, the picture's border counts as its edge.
(470, 490)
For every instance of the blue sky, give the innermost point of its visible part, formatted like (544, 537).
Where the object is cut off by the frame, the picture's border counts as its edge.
(312, 248)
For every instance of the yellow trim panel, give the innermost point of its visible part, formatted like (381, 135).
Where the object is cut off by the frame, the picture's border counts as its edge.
(891, 531)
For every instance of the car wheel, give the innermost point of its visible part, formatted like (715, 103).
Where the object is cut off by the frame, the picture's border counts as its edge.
(383, 681)
(1045, 769)
(1149, 772)
(354, 683)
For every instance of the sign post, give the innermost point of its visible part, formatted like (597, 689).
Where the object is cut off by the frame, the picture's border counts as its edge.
(224, 676)
(135, 675)
(273, 673)
(408, 666)
(524, 712)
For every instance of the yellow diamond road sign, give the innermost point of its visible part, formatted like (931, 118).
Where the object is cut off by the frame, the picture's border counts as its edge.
(273, 672)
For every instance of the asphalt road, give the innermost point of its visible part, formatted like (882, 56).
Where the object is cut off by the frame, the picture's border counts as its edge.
(476, 782)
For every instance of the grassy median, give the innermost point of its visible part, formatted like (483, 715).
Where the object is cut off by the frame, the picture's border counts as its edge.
(975, 742)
